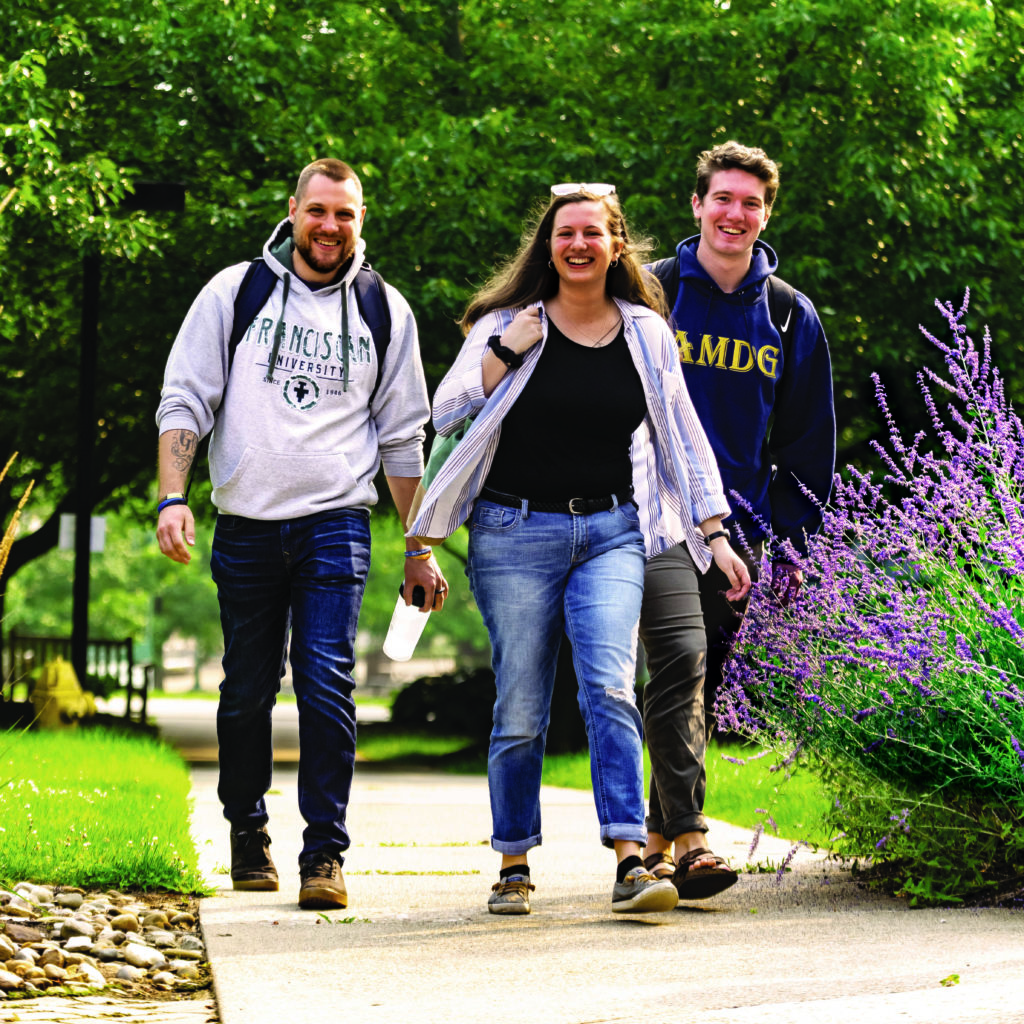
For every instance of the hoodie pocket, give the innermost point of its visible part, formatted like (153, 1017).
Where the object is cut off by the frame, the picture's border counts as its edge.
(281, 485)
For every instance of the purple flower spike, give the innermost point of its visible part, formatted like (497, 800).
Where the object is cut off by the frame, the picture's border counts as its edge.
(1016, 746)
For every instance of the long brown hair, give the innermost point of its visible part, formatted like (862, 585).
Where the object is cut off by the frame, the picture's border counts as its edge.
(529, 276)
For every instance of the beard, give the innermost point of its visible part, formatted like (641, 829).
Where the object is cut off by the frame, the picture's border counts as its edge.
(324, 264)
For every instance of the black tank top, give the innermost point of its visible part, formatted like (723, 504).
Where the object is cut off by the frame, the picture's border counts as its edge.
(568, 434)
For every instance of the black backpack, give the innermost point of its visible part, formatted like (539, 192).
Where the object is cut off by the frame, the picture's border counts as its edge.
(257, 284)
(781, 299)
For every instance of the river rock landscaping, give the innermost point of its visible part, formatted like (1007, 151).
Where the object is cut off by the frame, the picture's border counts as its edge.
(65, 941)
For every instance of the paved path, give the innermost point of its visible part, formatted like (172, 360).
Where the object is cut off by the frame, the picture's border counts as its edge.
(189, 723)
(107, 1008)
(417, 946)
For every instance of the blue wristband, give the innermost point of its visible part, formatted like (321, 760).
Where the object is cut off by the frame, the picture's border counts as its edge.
(422, 553)
(168, 502)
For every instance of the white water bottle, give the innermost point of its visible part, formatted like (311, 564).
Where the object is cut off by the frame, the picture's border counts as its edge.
(407, 622)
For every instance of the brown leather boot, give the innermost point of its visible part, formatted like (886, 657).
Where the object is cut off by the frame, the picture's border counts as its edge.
(323, 888)
(251, 866)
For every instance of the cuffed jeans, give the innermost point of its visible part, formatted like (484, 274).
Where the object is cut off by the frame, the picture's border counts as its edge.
(307, 574)
(687, 628)
(536, 576)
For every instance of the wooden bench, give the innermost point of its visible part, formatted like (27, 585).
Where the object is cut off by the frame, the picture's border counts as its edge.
(25, 655)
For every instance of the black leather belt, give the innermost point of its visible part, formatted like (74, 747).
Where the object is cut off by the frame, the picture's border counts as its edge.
(574, 506)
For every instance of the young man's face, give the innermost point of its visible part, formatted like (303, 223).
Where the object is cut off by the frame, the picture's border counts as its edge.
(732, 214)
(326, 223)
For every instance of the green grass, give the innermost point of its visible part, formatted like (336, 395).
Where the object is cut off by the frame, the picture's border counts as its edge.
(380, 743)
(734, 792)
(94, 808)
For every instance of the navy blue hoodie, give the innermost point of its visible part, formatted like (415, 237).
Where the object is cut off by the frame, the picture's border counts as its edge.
(770, 419)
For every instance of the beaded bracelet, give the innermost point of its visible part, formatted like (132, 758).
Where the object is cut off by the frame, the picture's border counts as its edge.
(422, 553)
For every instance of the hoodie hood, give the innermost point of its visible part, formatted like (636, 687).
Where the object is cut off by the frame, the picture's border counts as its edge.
(763, 262)
(278, 249)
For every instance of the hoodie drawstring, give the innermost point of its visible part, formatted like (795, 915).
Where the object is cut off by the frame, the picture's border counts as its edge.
(344, 337)
(278, 329)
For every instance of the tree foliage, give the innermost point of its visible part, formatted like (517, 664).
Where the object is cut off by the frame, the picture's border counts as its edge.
(896, 123)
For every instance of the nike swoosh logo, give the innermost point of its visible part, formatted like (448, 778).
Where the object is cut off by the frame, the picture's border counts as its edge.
(785, 326)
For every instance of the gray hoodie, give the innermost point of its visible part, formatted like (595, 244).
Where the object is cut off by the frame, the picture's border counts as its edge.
(306, 440)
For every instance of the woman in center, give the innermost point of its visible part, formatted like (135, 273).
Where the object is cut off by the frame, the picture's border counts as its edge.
(572, 379)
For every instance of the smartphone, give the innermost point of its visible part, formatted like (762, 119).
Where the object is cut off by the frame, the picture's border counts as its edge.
(419, 595)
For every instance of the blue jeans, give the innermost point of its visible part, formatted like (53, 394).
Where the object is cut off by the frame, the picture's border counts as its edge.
(307, 574)
(536, 576)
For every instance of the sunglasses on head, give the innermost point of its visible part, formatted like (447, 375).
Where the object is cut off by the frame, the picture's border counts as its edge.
(595, 188)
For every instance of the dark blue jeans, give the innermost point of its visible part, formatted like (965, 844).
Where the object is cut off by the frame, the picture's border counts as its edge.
(306, 574)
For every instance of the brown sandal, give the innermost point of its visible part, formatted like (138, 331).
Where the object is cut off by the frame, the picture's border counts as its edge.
(699, 883)
(655, 860)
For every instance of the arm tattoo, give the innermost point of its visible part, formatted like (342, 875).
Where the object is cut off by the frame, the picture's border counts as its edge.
(183, 449)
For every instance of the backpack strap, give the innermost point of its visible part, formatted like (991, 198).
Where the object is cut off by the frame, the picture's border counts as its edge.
(376, 313)
(782, 310)
(667, 272)
(251, 297)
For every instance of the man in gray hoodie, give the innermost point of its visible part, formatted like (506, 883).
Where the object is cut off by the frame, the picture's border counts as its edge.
(300, 428)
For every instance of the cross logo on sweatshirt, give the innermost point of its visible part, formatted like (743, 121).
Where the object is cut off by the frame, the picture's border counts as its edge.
(301, 392)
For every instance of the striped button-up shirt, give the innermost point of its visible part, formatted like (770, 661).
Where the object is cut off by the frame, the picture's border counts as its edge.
(676, 482)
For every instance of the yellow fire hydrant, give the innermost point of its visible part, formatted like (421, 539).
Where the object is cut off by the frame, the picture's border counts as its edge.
(58, 699)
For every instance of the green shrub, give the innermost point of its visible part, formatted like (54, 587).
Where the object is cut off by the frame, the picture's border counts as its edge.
(899, 669)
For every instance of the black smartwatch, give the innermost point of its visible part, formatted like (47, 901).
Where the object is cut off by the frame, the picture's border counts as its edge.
(718, 533)
(513, 360)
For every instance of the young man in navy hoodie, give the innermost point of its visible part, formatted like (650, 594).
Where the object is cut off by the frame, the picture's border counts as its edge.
(763, 391)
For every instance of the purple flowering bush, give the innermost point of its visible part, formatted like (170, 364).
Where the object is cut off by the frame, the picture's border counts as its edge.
(897, 672)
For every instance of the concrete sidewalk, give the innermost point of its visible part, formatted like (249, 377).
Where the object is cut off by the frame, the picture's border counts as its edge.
(417, 945)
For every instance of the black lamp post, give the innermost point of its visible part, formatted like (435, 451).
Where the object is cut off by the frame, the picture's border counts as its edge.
(151, 196)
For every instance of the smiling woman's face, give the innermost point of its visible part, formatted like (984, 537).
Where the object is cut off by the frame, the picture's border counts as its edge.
(582, 247)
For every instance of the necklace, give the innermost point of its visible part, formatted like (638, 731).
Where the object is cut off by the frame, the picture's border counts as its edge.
(597, 342)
